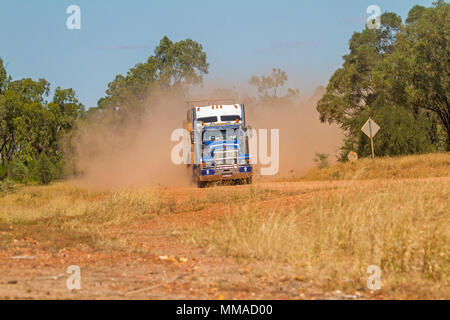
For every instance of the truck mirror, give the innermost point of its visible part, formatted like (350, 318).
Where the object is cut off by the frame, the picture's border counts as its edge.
(249, 131)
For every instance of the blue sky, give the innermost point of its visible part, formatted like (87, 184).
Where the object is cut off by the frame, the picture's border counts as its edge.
(241, 38)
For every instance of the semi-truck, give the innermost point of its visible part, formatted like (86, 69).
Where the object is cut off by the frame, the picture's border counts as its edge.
(219, 147)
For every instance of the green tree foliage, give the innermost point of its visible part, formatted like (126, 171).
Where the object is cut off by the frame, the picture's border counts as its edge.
(29, 124)
(422, 61)
(18, 171)
(398, 75)
(180, 63)
(4, 79)
(174, 65)
(3, 171)
(44, 169)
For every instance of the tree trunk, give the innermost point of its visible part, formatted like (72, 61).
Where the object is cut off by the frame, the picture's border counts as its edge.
(448, 138)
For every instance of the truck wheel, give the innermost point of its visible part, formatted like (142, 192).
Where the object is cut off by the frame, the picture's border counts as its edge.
(202, 184)
(249, 180)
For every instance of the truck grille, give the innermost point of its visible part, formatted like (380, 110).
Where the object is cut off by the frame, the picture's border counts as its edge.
(225, 157)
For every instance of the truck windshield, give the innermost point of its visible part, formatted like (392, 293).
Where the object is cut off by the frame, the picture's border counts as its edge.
(207, 119)
(219, 135)
(230, 118)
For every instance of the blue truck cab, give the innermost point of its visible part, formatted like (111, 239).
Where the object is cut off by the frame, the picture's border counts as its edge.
(219, 144)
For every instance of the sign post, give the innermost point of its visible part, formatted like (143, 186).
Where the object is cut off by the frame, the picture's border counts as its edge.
(370, 128)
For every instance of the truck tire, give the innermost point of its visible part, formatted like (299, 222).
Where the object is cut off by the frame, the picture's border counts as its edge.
(202, 184)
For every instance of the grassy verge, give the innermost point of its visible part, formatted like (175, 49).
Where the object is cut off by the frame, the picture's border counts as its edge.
(403, 228)
(62, 214)
(414, 166)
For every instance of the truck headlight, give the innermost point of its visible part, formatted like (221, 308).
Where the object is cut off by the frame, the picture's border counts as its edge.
(209, 163)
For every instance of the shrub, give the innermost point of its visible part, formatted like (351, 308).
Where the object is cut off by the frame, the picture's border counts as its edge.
(44, 169)
(322, 160)
(3, 172)
(58, 170)
(18, 171)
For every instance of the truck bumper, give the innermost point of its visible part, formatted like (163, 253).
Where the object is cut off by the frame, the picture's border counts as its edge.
(236, 176)
(226, 173)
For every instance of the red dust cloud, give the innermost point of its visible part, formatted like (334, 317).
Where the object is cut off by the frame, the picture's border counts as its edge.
(136, 151)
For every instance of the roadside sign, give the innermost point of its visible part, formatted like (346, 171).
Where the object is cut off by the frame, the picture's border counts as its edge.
(370, 128)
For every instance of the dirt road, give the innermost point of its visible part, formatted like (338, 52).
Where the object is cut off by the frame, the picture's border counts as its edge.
(156, 262)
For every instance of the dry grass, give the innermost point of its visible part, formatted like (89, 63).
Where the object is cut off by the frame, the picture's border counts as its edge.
(330, 238)
(34, 203)
(252, 193)
(414, 166)
(62, 214)
(403, 228)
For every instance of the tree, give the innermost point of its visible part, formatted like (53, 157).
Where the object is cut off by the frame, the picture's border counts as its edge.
(424, 53)
(4, 79)
(18, 171)
(44, 169)
(30, 126)
(414, 14)
(180, 63)
(416, 75)
(63, 111)
(174, 65)
(26, 119)
(130, 90)
(267, 86)
(349, 89)
(395, 76)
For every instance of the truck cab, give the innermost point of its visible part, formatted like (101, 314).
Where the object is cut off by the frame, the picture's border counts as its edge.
(219, 144)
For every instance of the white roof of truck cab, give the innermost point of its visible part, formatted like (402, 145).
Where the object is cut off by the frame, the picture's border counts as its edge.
(218, 110)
